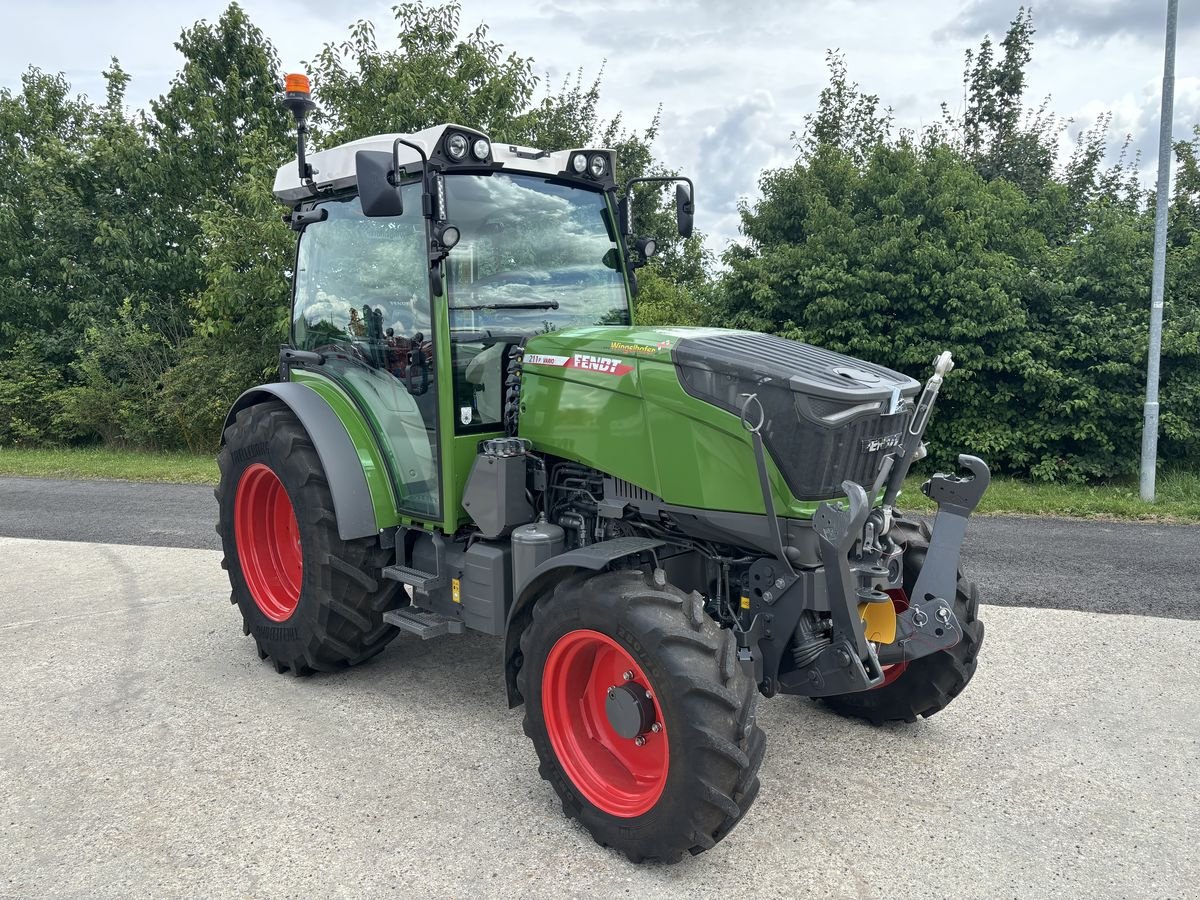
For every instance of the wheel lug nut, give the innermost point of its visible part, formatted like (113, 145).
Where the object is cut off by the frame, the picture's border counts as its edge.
(640, 741)
(628, 676)
(648, 697)
(656, 728)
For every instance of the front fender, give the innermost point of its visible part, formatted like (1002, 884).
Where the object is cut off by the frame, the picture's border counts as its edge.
(352, 502)
(592, 558)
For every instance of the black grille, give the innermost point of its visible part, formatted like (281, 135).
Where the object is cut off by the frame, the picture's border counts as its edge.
(827, 417)
(627, 490)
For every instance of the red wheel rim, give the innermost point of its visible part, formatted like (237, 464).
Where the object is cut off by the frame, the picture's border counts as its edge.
(892, 672)
(615, 774)
(268, 542)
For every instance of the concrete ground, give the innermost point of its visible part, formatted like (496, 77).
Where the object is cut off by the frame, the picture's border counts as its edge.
(146, 751)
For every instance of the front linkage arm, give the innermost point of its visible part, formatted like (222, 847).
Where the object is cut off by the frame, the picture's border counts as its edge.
(929, 624)
(848, 663)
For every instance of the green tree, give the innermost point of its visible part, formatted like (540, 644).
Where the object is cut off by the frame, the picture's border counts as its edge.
(975, 240)
(207, 139)
(44, 224)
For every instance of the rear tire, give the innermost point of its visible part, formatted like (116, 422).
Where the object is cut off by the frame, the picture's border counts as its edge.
(929, 684)
(690, 782)
(311, 601)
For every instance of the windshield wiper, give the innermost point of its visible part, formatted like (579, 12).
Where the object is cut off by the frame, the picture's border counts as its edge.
(540, 304)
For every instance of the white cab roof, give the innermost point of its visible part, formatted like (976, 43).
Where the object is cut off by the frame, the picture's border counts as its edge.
(334, 169)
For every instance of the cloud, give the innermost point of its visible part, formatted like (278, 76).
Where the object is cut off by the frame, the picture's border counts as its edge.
(734, 79)
(725, 149)
(680, 77)
(1072, 21)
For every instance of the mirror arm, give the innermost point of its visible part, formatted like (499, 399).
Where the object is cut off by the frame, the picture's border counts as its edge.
(426, 192)
(436, 253)
(659, 179)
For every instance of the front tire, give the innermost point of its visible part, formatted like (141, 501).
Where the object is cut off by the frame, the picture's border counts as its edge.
(311, 601)
(641, 715)
(927, 685)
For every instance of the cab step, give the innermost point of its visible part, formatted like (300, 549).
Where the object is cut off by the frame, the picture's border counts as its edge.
(424, 623)
(415, 578)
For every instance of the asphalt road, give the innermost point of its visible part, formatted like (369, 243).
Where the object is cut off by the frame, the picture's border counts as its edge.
(1044, 563)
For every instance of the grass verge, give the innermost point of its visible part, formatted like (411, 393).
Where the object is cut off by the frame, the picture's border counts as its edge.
(1178, 491)
(1178, 494)
(107, 463)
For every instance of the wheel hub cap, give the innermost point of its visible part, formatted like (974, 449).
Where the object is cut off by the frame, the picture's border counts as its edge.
(629, 710)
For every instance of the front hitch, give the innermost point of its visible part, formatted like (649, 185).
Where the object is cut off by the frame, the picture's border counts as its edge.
(929, 623)
(850, 662)
(956, 497)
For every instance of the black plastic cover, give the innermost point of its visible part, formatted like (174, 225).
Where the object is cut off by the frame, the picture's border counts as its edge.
(827, 417)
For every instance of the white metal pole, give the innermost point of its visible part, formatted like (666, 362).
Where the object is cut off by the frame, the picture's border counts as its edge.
(1150, 411)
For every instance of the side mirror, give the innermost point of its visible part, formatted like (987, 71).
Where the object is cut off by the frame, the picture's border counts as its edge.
(685, 209)
(376, 193)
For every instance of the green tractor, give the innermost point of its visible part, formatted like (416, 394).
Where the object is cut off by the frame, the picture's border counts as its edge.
(660, 524)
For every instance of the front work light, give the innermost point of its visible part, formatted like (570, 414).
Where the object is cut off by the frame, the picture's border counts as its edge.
(456, 147)
(579, 163)
(448, 236)
(597, 165)
(480, 149)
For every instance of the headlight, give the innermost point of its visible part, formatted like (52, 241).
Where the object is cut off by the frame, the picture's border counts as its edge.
(481, 149)
(598, 164)
(579, 163)
(456, 147)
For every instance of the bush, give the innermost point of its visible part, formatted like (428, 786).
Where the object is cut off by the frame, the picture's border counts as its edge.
(119, 379)
(29, 388)
(200, 389)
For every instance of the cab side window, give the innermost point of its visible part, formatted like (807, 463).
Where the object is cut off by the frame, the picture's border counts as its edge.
(362, 301)
(360, 282)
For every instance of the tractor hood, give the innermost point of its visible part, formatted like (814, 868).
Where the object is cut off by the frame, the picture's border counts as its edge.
(826, 417)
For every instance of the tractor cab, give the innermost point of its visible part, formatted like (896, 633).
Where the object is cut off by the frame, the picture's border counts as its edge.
(424, 262)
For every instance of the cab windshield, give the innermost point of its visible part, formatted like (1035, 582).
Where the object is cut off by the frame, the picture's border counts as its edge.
(534, 256)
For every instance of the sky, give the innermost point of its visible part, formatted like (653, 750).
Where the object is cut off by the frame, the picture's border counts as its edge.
(734, 78)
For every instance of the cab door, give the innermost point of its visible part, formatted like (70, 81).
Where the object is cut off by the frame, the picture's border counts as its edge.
(361, 300)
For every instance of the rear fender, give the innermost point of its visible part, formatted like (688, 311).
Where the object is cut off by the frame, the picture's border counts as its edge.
(352, 501)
